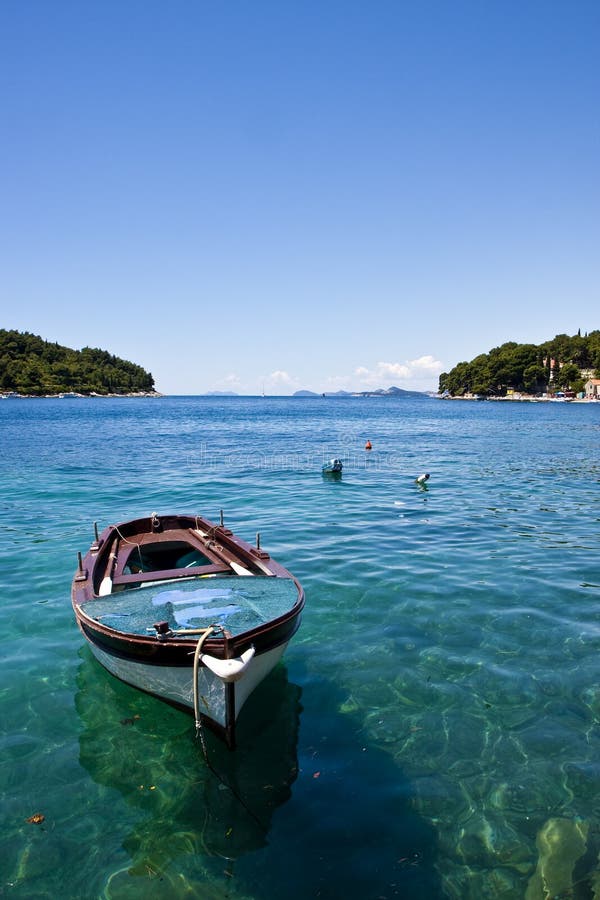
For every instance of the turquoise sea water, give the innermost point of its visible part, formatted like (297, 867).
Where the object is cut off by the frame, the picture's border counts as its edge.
(434, 730)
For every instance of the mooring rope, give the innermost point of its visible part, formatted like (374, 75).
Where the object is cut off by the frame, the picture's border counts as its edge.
(197, 653)
(200, 730)
(133, 543)
(210, 534)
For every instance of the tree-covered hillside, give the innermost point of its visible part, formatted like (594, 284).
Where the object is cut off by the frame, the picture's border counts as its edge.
(31, 365)
(559, 364)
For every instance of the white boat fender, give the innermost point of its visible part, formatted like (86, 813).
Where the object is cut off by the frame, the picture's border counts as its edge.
(422, 478)
(228, 669)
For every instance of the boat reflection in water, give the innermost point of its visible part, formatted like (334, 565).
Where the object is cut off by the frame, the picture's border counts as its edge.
(194, 810)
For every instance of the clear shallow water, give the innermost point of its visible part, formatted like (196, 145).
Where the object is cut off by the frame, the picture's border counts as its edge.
(435, 730)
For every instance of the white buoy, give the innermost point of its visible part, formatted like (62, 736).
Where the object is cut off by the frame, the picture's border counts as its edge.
(422, 478)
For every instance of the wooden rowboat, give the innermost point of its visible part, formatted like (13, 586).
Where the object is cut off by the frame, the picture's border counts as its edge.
(183, 609)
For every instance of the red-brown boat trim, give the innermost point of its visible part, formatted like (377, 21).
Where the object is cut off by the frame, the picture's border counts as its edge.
(176, 652)
(110, 554)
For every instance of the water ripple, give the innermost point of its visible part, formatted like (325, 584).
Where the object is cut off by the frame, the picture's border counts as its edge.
(447, 660)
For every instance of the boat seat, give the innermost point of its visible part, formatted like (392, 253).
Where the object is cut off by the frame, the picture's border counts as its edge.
(139, 577)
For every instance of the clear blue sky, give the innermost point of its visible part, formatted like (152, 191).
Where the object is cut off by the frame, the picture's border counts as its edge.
(293, 195)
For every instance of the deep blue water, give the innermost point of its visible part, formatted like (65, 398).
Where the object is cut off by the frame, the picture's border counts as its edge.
(435, 728)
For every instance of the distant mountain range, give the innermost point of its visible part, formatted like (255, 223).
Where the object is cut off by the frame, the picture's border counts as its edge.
(380, 392)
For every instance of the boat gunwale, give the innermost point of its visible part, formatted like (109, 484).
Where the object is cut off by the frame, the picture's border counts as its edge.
(228, 544)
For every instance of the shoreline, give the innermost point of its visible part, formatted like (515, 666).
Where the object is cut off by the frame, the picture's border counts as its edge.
(523, 398)
(69, 395)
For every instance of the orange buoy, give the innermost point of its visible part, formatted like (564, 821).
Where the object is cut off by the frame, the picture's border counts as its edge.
(368, 446)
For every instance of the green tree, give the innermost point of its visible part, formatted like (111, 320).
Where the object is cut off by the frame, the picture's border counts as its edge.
(30, 365)
(534, 378)
(568, 374)
(525, 367)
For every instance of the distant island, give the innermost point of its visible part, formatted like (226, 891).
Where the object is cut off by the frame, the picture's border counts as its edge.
(380, 392)
(565, 364)
(31, 366)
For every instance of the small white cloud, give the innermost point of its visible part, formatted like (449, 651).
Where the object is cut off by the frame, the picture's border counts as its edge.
(386, 374)
(231, 382)
(280, 378)
(392, 370)
(429, 365)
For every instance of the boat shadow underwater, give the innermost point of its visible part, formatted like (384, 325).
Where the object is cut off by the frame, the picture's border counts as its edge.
(220, 805)
(347, 829)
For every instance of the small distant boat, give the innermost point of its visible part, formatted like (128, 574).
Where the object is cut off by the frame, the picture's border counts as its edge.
(183, 609)
(333, 467)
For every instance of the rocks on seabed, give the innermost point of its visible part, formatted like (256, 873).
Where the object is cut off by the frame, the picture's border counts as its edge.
(561, 843)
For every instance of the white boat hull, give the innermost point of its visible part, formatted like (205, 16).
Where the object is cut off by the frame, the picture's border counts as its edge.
(175, 683)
